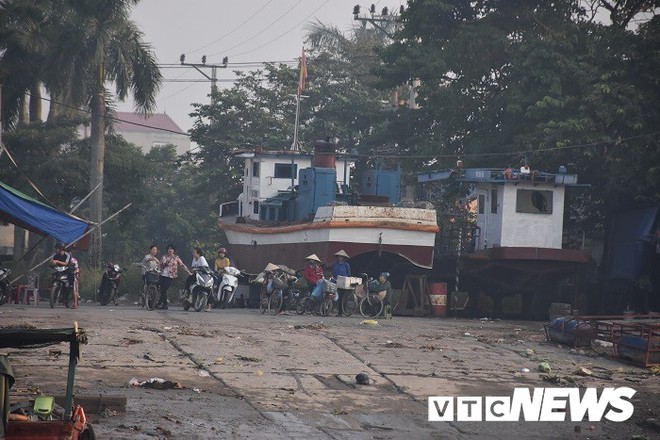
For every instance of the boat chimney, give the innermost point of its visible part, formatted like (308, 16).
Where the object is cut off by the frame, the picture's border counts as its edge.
(324, 154)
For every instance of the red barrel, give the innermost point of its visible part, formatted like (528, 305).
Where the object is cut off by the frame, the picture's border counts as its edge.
(324, 155)
(324, 160)
(438, 299)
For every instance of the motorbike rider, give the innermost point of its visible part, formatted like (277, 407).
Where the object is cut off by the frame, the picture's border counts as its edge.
(221, 261)
(62, 258)
(198, 261)
(170, 271)
(314, 275)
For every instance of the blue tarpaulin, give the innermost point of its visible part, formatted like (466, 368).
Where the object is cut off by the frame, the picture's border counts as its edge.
(31, 214)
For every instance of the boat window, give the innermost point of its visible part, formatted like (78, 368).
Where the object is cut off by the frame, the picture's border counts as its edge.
(283, 170)
(255, 169)
(534, 201)
(482, 202)
(493, 201)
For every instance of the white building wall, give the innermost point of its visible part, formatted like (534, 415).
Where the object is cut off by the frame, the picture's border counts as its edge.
(147, 140)
(532, 230)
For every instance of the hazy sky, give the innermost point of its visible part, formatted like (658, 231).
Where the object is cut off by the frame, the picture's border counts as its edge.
(245, 31)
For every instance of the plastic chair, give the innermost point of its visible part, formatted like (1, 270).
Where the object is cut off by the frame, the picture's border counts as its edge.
(32, 288)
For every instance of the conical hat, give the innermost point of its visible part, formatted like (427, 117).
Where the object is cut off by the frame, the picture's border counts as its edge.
(313, 257)
(342, 253)
(271, 267)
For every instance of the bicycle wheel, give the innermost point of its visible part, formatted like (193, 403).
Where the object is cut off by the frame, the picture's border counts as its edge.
(275, 302)
(349, 303)
(263, 304)
(371, 306)
(326, 307)
(303, 305)
(152, 296)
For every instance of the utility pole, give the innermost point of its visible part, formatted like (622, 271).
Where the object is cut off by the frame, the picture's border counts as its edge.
(387, 21)
(214, 71)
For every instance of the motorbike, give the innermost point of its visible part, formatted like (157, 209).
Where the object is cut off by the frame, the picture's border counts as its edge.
(61, 290)
(201, 288)
(110, 284)
(5, 286)
(226, 288)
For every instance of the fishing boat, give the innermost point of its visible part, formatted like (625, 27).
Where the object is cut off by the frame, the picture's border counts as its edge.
(295, 204)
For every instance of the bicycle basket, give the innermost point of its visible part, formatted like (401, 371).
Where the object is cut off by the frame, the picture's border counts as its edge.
(151, 277)
(329, 287)
(278, 281)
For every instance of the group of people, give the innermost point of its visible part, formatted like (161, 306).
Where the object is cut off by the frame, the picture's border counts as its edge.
(314, 275)
(168, 267)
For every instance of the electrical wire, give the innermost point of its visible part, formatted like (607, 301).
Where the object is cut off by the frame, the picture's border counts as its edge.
(111, 118)
(233, 30)
(284, 33)
(615, 142)
(260, 32)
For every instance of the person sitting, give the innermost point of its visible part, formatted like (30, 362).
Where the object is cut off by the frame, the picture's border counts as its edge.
(63, 258)
(221, 261)
(313, 274)
(198, 261)
(382, 284)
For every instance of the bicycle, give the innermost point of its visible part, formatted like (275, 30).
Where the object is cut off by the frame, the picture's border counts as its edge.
(285, 295)
(150, 289)
(371, 306)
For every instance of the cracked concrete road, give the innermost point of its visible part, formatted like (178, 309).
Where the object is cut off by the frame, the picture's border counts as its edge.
(247, 375)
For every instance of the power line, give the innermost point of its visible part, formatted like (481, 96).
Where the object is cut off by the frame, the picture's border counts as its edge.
(260, 32)
(110, 118)
(233, 30)
(284, 33)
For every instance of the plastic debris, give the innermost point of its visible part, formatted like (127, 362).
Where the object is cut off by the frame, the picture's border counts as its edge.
(369, 322)
(204, 373)
(524, 370)
(466, 334)
(544, 367)
(155, 383)
(529, 352)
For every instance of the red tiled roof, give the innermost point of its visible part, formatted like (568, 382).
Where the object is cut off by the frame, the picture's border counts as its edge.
(135, 122)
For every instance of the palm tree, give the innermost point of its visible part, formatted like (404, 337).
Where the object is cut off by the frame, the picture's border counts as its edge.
(96, 43)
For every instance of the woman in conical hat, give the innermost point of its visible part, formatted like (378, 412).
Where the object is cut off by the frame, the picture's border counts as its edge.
(314, 275)
(342, 253)
(340, 268)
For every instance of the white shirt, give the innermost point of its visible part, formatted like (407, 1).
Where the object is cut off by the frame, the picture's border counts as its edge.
(199, 262)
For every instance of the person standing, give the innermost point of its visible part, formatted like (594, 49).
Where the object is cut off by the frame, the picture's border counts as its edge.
(76, 279)
(341, 268)
(170, 271)
(150, 262)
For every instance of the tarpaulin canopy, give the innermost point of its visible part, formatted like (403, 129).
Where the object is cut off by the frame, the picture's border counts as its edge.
(28, 213)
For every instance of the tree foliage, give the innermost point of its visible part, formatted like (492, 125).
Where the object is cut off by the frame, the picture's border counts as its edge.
(504, 81)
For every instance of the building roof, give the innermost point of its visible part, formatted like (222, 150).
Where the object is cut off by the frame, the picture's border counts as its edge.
(137, 122)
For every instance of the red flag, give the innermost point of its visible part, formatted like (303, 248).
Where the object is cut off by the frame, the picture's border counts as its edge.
(303, 72)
